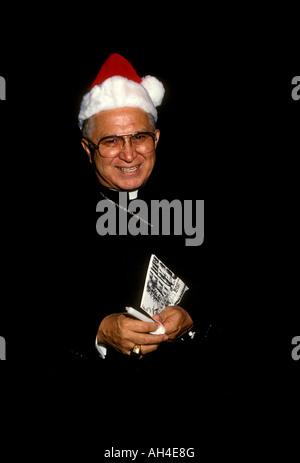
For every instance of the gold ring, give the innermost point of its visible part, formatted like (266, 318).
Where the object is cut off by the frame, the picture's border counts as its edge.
(136, 351)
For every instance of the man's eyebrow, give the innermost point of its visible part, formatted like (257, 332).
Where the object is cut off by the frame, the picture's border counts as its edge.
(106, 136)
(121, 134)
(109, 135)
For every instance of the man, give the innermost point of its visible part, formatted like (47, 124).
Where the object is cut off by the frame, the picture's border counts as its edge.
(98, 275)
(126, 167)
(105, 273)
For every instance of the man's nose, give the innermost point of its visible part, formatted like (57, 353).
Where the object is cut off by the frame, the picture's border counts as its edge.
(128, 154)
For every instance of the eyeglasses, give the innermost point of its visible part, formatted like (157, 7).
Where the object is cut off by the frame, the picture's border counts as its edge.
(112, 145)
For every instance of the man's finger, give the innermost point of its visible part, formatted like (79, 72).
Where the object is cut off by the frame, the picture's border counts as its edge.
(142, 327)
(148, 339)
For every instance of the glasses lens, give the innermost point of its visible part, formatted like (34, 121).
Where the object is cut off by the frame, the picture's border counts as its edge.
(110, 146)
(141, 142)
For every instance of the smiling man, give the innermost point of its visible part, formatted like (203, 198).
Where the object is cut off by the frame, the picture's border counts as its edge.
(122, 162)
(118, 121)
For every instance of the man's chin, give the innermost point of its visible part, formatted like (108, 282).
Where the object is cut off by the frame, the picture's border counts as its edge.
(130, 185)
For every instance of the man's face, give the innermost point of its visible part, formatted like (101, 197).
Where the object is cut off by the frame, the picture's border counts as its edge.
(129, 170)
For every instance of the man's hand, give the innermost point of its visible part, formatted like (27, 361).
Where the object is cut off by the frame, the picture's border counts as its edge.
(123, 332)
(176, 321)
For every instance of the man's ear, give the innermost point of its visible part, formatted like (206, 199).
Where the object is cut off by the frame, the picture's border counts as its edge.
(85, 146)
(157, 135)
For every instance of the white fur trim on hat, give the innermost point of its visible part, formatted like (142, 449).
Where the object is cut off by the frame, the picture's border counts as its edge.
(119, 92)
(155, 89)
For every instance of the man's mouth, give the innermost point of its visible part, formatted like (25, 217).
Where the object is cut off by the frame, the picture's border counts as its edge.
(128, 169)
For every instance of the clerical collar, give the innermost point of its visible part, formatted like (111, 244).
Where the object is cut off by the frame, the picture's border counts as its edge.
(131, 194)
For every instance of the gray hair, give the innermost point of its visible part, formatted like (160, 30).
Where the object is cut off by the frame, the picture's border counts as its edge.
(88, 126)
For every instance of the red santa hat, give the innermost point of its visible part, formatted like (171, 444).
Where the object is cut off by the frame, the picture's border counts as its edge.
(117, 85)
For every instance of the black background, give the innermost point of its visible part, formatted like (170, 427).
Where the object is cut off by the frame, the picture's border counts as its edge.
(228, 95)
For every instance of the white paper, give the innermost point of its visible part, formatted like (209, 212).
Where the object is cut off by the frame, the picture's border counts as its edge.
(162, 287)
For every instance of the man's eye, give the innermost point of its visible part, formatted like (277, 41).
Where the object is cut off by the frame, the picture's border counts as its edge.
(139, 137)
(109, 141)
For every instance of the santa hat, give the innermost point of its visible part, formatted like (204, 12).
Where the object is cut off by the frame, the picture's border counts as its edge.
(117, 85)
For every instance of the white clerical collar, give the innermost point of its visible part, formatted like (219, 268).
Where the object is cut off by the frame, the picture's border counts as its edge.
(131, 194)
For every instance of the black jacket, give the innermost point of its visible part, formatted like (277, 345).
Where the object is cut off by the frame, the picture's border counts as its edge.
(88, 276)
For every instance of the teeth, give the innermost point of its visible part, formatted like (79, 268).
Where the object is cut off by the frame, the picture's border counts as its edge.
(131, 169)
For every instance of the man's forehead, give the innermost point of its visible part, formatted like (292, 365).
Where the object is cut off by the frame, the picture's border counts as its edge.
(123, 119)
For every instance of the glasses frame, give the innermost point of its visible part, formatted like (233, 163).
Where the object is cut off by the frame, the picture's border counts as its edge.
(96, 146)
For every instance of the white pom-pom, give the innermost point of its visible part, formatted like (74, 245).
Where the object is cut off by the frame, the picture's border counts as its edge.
(155, 89)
